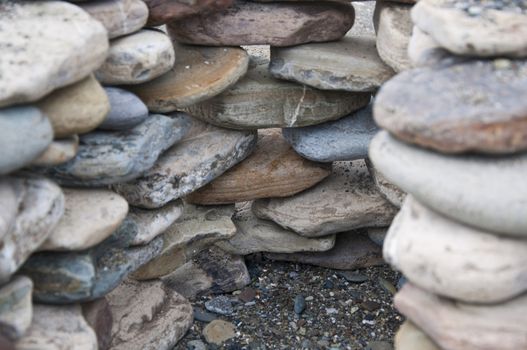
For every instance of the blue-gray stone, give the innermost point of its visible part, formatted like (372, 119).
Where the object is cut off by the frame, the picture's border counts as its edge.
(24, 134)
(126, 110)
(108, 157)
(300, 304)
(344, 139)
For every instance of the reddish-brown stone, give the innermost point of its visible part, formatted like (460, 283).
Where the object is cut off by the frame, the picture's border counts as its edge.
(163, 11)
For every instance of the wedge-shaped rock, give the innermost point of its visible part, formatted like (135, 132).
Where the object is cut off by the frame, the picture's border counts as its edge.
(126, 110)
(390, 191)
(485, 114)
(107, 157)
(246, 104)
(274, 169)
(485, 192)
(90, 216)
(46, 45)
(257, 235)
(460, 326)
(410, 337)
(164, 11)
(137, 58)
(31, 208)
(346, 200)
(198, 228)
(475, 28)
(16, 309)
(58, 328)
(58, 152)
(203, 154)
(199, 74)
(148, 315)
(276, 24)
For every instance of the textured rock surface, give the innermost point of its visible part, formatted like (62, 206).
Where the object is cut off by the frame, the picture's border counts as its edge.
(148, 315)
(58, 152)
(16, 309)
(137, 58)
(485, 114)
(390, 191)
(346, 200)
(31, 28)
(22, 123)
(246, 104)
(164, 11)
(198, 74)
(257, 235)
(126, 110)
(343, 139)
(203, 154)
(98, 315)
(453, 185)
(77, 108)
(459, 326)
(274, 169)
(276, 24)
(423, 50)
(106, 157)
(410, 337)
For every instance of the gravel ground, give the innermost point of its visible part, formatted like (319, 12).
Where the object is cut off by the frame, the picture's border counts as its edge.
(338, 315)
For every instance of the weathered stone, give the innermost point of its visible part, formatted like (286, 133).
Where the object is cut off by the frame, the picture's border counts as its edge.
(455, 325)
(90, 216)
(25, 133)
(212, 270)
(425, 51)
(119, 17)
(136, 58)
(99, 317)
(33, 63)
(480, 191)
(16, 309)
(203, 154)
(31, 209)
(246, 104)
(455, 260)
(219, 331)
(343, 139)
(126, 110)
(106, 157)
(390, 191)
(257, 235)
(58, 152)
(148, 315)
(274, 169)
(410, 337)
(276, 24)
(58, 328)
(352, 250)
(199, 74)
(393, 25)
(485, 114)
(346, 200)
(164, 11)
(198, 228)
(350, 64)
(77, 108)
(497, 29)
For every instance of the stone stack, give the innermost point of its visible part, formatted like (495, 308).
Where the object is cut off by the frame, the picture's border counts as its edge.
(455, 142)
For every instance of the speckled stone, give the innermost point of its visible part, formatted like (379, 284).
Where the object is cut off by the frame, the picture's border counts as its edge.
(16, 309)
(58, 152)
(126, 110)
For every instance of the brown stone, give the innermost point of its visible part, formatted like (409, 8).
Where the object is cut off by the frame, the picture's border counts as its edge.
(274, 169)
(276, 24)
(163, 11)
(58, 152)
(99, 316)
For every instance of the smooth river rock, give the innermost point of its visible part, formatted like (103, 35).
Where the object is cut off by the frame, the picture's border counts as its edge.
(410, 337)
(461, 326)
(126, 110)
(246, 104)
(33, 63)
(137, 58)
(390, 191)
(474, 28)
(199, 74)
(346, 200)
(274, 169)
(107, 157)
(165, 11)
(485, 114)
(203, 154)
(275, 24)
(16, 309)
(25, 133)
(350, 64)
(343, 139)
(58, 152)
(481, 191)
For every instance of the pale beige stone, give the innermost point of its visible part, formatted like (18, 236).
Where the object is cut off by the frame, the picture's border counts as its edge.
(58, 152)
(423, 50)
(410, 337)
(16, 308)
(219, 331)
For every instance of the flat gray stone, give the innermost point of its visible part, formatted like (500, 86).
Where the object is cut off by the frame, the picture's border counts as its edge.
(344, 201)
(16, 308)
(126, 110)
(25, 133)
(343, 139)
(107, 157)
(203, 154)
(485, 192)
(377, 234)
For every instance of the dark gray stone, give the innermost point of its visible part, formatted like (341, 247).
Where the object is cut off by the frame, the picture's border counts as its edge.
(221, 305)
(299, 304)
(126, 110)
